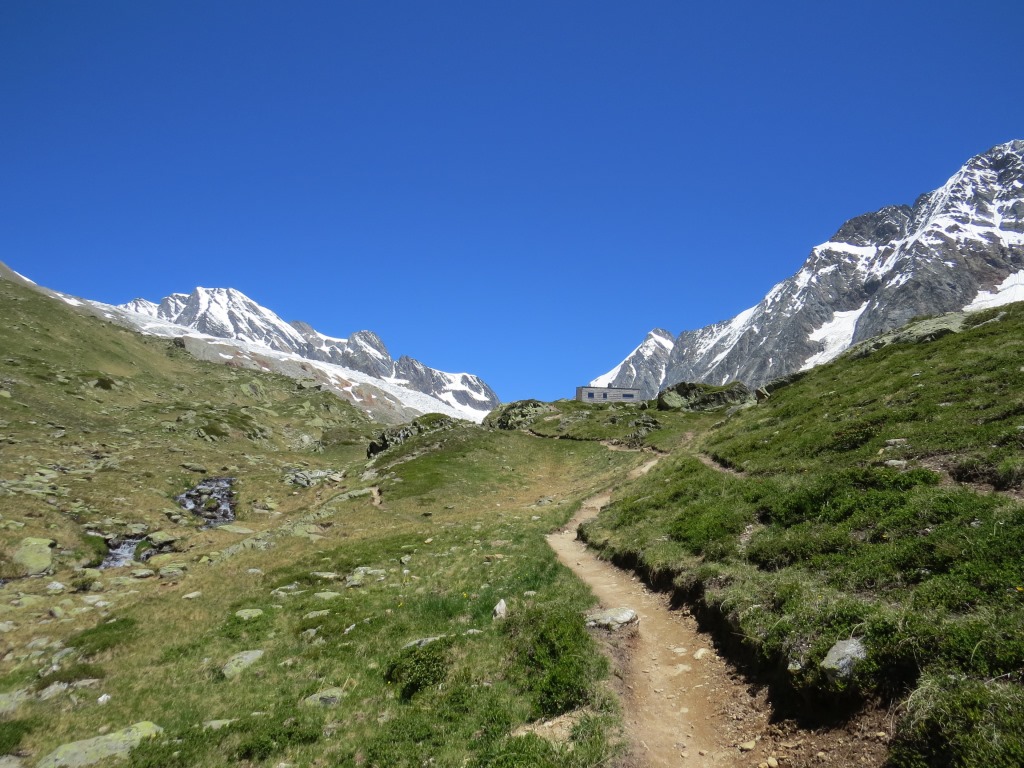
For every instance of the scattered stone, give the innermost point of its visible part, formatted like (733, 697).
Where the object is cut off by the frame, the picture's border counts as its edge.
(613, 618)
(326, 595)
(216, 725)
(11, 700)
(239, 663)
(422, 641)
(95, 750)
(239, 529)
(843, 657)
(248, 614)
(328, 697)
(143, 573)
(316, 614)
(701, 653)
(500, 610)
(748, 746)
(326, 575)
(192, 596)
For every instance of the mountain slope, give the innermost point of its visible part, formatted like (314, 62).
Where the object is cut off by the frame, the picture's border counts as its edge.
(223, 324)
(960, 246)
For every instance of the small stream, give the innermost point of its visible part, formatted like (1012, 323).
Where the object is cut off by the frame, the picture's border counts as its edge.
(121, 554)
(213, 499)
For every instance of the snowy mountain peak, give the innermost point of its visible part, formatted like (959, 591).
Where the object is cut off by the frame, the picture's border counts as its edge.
(959, 246)
(226, 313)
(644, 367)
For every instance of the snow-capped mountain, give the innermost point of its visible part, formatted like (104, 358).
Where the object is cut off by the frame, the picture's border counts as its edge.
(224, 324)
(959, 247)
(645, 366)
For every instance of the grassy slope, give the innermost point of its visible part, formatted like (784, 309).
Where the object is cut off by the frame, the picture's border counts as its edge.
(844, 521)
(461, 527)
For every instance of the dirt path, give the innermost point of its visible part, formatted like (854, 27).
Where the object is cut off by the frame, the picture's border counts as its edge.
(671, 674)
(684, 705)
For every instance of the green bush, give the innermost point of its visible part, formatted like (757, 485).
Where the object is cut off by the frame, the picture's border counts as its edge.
(419, 667)
(554, 658)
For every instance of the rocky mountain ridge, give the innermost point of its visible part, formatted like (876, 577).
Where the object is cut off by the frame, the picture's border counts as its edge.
(960, 247)
(228, 314)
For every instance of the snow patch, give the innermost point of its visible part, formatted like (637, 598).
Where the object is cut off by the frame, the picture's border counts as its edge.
(1007, 292)
(836, 335)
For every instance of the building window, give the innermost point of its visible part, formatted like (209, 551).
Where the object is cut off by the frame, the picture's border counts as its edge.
(627, 395)
(590, 395)
(604, 395)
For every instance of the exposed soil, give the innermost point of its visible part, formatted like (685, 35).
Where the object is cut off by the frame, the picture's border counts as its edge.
(684, 704)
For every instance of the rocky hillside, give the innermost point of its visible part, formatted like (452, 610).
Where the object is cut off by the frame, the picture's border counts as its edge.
(958, 247)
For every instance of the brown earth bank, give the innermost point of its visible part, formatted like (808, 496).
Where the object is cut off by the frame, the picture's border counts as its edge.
(686, 705)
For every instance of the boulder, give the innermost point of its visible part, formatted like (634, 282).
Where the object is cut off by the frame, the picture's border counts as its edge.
(239, 663)
(100, 748)
(248, 614)
(612, 618)
(35, 556)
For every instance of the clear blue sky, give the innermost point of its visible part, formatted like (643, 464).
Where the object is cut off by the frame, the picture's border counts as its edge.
(517, 189)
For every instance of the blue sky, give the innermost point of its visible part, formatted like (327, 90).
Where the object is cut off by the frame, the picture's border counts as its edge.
(519, 190)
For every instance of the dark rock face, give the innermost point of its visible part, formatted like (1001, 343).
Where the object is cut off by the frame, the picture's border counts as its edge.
(879, 271)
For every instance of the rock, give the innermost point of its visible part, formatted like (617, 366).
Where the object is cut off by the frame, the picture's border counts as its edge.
(216, 725)
(95, 750)
(423, 641)
(192, 596)
(326, 595)
(328, 697)
(842, 658)
(162, 539)
(612, 618)
(687, 396)
(7, 626)
(747, 746)
(316, 614)
(11, 700)
(143, 573)
(500, 610)
(172, 572)
(239, 529)
(239, 663)
(34, 555)
(248, 614)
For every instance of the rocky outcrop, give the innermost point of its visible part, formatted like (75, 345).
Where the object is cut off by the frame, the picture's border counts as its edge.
(393, 436)
(688, 396)
(516, 415)
(101, 748)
